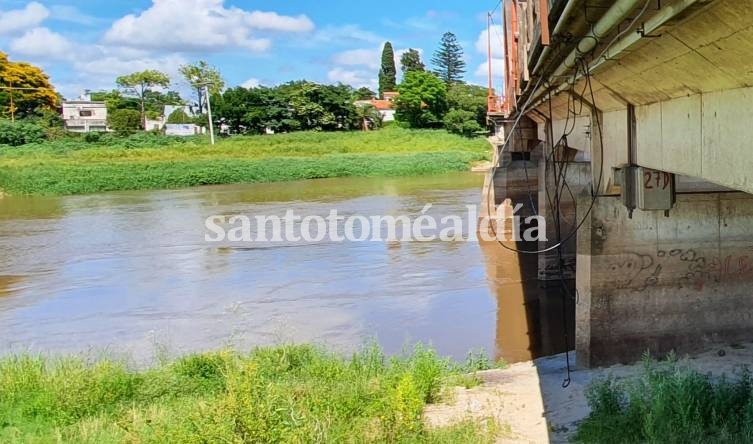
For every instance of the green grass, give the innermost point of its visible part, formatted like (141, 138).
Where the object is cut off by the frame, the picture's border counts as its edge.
(153, 162)
(669, 403)
(284, 394)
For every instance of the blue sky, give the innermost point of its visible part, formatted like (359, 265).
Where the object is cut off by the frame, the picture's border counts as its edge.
(87, 44)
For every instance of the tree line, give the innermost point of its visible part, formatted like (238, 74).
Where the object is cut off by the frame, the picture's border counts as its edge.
(428, 98)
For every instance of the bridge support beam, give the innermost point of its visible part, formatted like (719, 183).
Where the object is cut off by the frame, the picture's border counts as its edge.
(657, 284)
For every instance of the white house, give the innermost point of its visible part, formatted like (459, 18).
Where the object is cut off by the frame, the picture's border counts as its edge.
(83, 115)
(183, 129)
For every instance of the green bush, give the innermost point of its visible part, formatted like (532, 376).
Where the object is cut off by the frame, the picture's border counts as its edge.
(669, 404)
(20, 133)
(462, 122)
(92, 137)
(124, 121)
(178, 116)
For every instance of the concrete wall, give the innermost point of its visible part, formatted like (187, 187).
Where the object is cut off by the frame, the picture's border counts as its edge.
(708, 135)
(655, 283)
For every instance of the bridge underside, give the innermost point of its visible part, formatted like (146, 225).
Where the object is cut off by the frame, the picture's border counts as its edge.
(677, 100)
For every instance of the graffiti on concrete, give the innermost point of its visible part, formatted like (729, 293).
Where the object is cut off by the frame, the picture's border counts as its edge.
(677, 268)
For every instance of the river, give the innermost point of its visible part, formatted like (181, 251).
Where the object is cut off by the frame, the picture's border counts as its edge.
(131, 273)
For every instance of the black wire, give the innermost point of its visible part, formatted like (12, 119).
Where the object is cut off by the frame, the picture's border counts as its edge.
(496, 7)
(595, 194)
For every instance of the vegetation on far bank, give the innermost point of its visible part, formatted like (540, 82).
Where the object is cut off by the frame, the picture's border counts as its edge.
(670, 403)
(146, 161)
(282, 394)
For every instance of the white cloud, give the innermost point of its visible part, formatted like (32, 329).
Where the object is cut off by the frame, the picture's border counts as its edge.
(71, 14)
(498, 71)
(354, 78)
(251, 83)
(343, 36)
(498, 57)
(42, 43)
(19, 20)
(370, 58)
(200, 26)
(110, 66)
(498, 49)
(272, 21)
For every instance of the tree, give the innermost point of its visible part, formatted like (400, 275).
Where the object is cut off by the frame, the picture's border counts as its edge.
(388, 72)
(124, 121)
(178, 116)
(363, 93)
(411, 61)
(369, 116)
(139, 83)
(40, 96)
(422, 102)
(448, 59)
(155, 101)
(471, 98)
(458, 121)
(201, 74)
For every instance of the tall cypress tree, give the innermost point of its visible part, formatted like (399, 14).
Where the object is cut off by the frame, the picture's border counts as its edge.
(388, 72)
(448, 59)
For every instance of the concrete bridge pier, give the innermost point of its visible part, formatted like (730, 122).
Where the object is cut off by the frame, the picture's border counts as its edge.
(655, 283)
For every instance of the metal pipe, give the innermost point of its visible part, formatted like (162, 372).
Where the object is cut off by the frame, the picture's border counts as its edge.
(564, 17)
(651, 25)
(666, 14)
(615, 15)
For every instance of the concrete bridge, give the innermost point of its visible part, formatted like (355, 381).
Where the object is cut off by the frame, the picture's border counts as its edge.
(628, 124)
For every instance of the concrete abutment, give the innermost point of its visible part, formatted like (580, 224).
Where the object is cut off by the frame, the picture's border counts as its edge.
(649, 283)
(658, 284)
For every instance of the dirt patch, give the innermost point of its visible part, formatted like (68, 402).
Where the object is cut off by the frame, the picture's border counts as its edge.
(529, 402)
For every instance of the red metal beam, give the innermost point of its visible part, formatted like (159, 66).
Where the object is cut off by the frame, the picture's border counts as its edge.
(544, 21)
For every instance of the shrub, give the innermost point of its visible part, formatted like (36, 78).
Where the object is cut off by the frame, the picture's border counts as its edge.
(92, 137)
(20, 133)
(462, 122)
(669, 404)
(124, 121)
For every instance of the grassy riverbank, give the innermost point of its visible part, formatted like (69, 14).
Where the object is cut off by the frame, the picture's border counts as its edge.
(282, 394)
(670, 403)
(155, 162)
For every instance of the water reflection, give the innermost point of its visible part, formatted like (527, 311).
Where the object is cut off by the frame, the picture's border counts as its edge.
(531, 320)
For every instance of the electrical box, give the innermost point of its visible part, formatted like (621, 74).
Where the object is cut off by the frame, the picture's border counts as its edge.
(647, 189)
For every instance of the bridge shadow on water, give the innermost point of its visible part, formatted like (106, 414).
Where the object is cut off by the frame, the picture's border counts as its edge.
(535, 320)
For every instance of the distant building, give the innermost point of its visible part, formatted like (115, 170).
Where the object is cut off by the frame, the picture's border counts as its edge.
(83, 115)
(390, 95)
(154, 124)
(183, 129)
(385, 106)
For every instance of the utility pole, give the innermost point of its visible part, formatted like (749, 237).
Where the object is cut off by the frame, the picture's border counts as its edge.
(12, 106)
(490, 94)
(209, 113)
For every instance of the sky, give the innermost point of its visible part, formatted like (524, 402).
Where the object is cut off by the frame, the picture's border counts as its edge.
(85, 44)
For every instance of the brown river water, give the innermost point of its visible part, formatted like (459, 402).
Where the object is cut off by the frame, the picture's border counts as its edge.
(131, 273)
